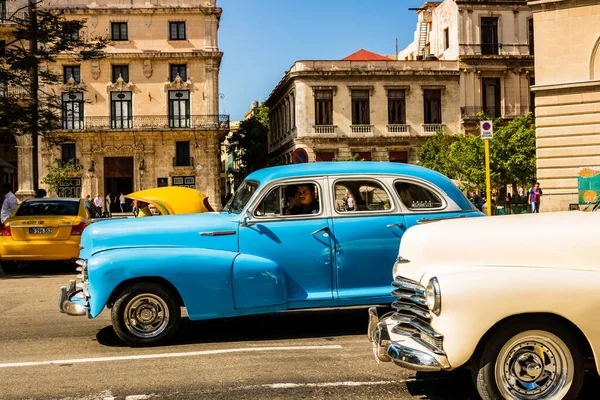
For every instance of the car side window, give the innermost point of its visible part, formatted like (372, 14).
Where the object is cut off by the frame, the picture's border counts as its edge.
(360, 195)
(417, 197)
(290, 199)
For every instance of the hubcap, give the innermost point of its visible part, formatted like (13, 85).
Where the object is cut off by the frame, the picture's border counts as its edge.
(146, 315)
(534, 365)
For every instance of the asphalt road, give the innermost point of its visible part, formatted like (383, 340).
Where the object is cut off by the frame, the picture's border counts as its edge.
(294, 355)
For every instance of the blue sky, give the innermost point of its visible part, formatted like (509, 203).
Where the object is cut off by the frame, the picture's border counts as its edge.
(261, 39)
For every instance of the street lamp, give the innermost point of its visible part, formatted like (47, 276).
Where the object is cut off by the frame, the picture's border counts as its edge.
(92, 169)
(142, 167)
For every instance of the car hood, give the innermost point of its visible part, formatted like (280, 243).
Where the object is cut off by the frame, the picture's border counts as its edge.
(563, 240)
(207, 230)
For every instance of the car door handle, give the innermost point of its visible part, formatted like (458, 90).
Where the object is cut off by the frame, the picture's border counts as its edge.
(398, 224)
(325, 228)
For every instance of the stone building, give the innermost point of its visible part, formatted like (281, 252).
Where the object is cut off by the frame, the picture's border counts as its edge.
(466, 57)
(567, 70)
(493, 42)
(147, 114)
(380, 110)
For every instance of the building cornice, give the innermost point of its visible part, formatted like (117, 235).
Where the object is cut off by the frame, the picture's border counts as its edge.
(98, 10)
(154, 54)
(546, 5)
(571, 87)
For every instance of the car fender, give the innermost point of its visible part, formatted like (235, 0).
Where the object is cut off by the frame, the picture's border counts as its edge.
(258, 282)
(476, 298)
(201, 276)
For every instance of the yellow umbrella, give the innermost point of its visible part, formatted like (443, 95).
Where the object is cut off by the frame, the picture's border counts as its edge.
(173, 200)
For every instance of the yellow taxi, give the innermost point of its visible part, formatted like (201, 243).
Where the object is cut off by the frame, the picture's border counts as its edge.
(43, 230)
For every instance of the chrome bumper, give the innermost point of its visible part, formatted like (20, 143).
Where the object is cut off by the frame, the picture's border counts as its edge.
(73, 300)
(402, 350)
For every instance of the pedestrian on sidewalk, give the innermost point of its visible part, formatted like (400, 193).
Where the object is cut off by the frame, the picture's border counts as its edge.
(98, 202)
(535, 197)
(108, 203)
(9, 203)
(122, 201)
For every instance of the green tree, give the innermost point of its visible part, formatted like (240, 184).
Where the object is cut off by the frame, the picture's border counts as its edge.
(434, 153)
(249, 144)
(29, 105)
(61, 174)
(462, 157)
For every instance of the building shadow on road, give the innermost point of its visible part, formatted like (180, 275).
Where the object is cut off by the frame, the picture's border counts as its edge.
(41, 269)
(325, 324)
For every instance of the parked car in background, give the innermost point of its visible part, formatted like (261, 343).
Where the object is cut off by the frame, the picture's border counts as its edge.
(286, 240)
(47, 229)
(520, 310)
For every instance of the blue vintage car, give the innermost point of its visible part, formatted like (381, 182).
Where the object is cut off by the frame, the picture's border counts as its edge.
(297, 236)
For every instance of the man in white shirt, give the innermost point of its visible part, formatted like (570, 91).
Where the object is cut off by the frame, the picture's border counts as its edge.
(10, 202)
(98, 202)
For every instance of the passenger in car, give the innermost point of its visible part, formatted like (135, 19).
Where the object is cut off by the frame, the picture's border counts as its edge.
(305, 200)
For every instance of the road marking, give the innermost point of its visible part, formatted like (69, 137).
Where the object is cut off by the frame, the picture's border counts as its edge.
(168, 355)
(321, 384)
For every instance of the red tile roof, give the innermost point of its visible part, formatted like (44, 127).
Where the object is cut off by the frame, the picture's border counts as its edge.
(364, 55)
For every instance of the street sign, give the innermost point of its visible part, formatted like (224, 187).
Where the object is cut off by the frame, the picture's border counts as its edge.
(487, 129)
(300, 156)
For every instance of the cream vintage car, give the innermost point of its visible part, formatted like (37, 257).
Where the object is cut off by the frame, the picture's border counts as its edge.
(515, 298)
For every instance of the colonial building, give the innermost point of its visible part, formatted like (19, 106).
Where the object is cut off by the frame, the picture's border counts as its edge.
(493, 42)
(467, 57)
(567, 93)
(147, 114)
(380, 110)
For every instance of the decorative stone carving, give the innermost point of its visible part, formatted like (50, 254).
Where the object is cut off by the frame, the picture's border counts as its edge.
(94, 20)
(178, 84)
(148, 20)
(148, 68)
(72, 85)
(119, 85)
(95, 70)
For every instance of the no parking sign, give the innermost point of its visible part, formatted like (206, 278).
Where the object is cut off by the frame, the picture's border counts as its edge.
(300, 156)
(487, 129)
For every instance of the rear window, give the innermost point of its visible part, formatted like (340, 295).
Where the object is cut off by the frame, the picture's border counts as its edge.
(49, 207)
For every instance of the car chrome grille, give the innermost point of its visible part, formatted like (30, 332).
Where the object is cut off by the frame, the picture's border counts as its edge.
(413, 316)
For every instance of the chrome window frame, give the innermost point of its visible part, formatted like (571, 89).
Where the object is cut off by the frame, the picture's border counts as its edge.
(448, 205)
(380, 179)
(319, 181)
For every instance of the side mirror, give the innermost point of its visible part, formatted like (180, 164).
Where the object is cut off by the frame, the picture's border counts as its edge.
(247, 219)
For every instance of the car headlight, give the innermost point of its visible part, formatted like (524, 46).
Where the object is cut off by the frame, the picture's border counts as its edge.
(433, 296)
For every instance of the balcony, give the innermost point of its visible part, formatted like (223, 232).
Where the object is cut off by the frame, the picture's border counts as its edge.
(8, 18)
(361, 129)
(398, 130)
(183, 161)
(496, 49)
(325, 129)
(431, 129)
(471, 112)
(154, 122)
(15, 91)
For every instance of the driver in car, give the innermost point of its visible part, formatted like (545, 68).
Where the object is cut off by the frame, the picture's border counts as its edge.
(305, 201)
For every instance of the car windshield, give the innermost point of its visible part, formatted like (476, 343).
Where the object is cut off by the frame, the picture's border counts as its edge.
(48, 207)
(244, 193)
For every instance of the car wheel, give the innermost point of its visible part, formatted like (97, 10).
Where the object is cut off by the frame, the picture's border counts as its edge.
(146, 314)
(9, 267)
(529, 359)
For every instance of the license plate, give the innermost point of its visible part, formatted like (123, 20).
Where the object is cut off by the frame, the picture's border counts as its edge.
(40, 231)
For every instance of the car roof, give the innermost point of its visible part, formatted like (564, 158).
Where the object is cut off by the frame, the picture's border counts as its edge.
(343, 167)
(362, 168)
(67, 199)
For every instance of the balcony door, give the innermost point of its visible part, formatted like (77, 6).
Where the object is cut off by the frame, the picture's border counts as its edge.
(491, 97)
(179, 109)
(121, 110)
(489, 36)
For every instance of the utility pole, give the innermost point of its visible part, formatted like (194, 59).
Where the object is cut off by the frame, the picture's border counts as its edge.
(34, 87)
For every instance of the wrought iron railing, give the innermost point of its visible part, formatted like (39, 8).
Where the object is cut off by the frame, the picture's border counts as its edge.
(155, 122)
(472, 112)
(14, 91)
(8, 17)
(183, 161)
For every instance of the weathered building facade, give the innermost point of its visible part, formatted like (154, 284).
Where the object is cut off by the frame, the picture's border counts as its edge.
(467, 57)
(567, 90)
(147, 114)
(378, 110)
(493, 42)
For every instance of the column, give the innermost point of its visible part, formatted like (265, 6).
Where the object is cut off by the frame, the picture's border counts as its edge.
(25, 167)
(212, 86)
